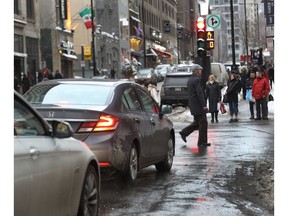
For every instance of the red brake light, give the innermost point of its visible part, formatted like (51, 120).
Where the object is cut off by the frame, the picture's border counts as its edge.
(87, 127)
(104, 123)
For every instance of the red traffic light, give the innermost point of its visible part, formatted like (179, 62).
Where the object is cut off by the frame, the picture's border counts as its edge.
(200, 23)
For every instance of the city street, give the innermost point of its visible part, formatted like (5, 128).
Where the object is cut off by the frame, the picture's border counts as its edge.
(235, 176)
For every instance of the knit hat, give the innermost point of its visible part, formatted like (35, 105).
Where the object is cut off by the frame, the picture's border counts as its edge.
(196, 67)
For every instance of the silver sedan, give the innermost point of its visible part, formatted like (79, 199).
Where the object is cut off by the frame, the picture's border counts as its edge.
(54, 174)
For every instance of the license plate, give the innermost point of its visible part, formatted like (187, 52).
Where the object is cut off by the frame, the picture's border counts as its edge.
(177, 89)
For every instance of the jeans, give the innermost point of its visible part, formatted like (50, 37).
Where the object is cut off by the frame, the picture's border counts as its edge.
(233, 107)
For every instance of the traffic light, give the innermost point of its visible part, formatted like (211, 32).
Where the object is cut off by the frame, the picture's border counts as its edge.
(201, 37)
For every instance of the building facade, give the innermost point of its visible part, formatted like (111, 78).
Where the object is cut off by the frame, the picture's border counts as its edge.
(26, 39)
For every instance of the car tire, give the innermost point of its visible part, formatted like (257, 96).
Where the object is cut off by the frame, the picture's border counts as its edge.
(166, 164)
(90, 195)
(131, 171)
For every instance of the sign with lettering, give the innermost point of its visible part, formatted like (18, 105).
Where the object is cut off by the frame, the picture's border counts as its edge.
(63, 9)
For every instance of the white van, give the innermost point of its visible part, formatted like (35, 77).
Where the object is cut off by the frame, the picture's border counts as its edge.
(220, 73)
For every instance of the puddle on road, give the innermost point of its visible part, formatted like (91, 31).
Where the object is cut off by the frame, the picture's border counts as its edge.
(254, 181)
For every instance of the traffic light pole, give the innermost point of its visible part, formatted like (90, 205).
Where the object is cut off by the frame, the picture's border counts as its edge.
(93, 39)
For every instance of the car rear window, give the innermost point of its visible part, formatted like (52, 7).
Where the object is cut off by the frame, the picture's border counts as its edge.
(176, 80)
(74, 94)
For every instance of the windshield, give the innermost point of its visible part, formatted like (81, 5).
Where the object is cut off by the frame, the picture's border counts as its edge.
(144, 72)
(72, 94)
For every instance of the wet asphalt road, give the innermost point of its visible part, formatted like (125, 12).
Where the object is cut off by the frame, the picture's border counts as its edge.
(227, 178)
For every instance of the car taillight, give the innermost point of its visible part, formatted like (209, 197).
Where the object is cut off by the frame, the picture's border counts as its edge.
(105, 123)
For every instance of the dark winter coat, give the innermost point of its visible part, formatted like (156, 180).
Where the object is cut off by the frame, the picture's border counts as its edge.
(196, 95)
(213, 93)
(233, 89)
(249, 83)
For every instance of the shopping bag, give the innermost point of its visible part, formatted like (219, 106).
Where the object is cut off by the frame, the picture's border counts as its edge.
(249, 96)
(218, 105)
(271, 98)
(225, 99)
(223, 109)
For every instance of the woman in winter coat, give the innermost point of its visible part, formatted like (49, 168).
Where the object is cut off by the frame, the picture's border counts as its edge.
(233, 89)
(152, 88)
(213, 93)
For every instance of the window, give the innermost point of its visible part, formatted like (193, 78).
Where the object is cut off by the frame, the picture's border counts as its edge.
(25, 123)
(30, 9)
(130, 100)
(18, 43)
(147, 101)
(16, 7)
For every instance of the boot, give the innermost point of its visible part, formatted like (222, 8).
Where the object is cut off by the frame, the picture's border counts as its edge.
(212, 115)
(216, 116)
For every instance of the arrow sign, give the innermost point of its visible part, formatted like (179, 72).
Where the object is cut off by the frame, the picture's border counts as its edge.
(213, 21)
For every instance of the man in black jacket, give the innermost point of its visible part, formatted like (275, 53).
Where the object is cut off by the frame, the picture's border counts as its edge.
(198, 107)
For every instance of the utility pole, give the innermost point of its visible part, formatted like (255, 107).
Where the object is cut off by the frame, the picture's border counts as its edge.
(93, 39)
(144, 34)
(246, 32)
(234, 66)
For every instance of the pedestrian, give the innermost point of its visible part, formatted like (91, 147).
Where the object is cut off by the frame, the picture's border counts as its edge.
(152, 88)
(112, 73)
(16, 84)
(249, 85)
(58, 75)
(243, 78)
(233, 89)
(271, 75)
(198, 107)
(260, 92)
(213, 93)
(25, 84)
(49, 75)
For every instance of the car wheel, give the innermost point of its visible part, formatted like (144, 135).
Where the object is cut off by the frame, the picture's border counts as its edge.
(166, 164)
(132, 166)
(89, 202)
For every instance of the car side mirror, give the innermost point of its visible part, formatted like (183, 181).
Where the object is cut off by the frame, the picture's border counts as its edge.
(166, 109)
(61, 129)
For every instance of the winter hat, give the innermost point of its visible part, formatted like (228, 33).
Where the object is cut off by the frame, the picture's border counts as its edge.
(196, 67)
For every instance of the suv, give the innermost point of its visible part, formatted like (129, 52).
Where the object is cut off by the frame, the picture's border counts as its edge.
(174, 88)
(220, 73)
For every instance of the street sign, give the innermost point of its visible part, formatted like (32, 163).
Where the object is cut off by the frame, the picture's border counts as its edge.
(82, 63)
(166, 25)
(213, 21)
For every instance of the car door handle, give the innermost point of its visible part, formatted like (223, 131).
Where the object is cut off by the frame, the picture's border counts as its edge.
(152, 121)
(137, 120)
(34, 152)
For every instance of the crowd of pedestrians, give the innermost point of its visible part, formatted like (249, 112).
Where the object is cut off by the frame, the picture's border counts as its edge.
(23, 84)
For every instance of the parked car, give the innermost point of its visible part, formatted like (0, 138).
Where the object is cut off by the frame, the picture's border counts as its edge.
(147, 75)
(118, 119)
(219, 71)
(54, 174)
(163, 69)
(174, 89)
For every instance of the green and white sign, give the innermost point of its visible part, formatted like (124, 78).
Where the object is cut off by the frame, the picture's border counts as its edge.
(213, 21)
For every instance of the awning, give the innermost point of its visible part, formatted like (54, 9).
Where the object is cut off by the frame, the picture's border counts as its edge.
(135, 19)
(24, 55)
(153, 53)
(162, 54)
(74, 57)
(138, 54)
